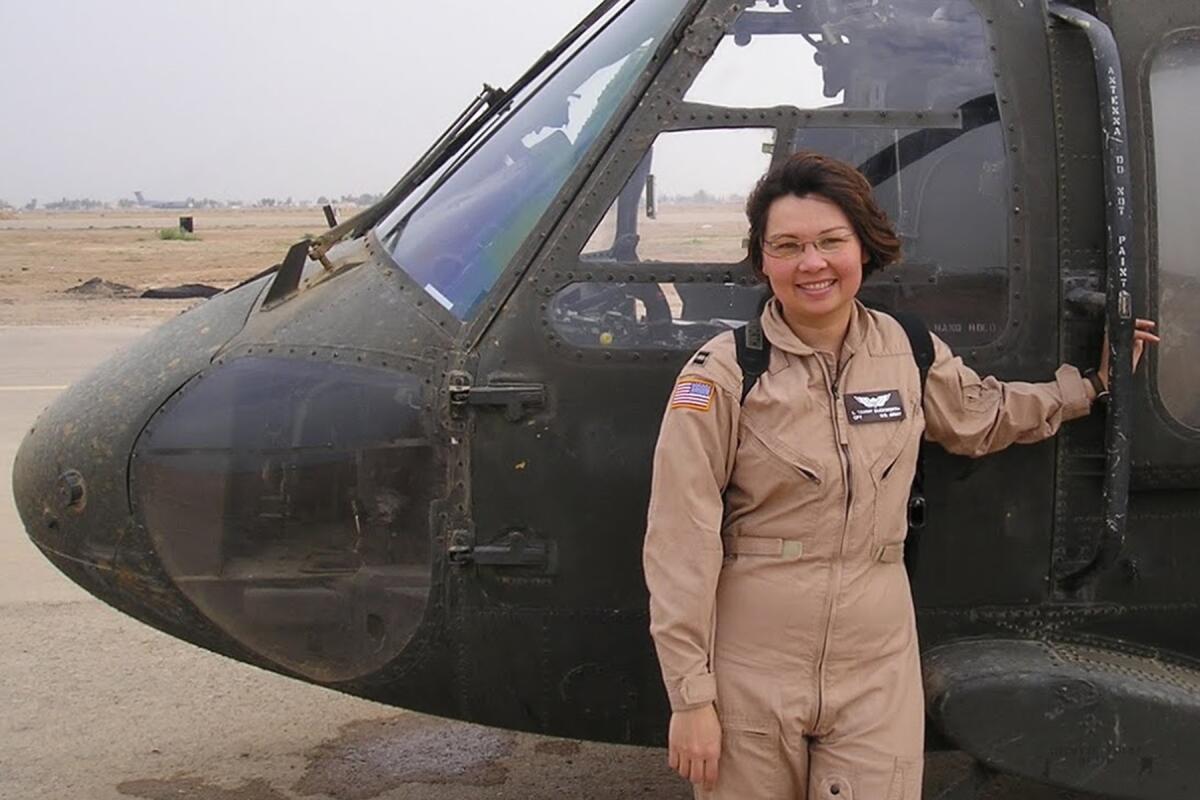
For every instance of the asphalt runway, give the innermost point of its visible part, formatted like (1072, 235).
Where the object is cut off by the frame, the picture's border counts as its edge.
(100, 707)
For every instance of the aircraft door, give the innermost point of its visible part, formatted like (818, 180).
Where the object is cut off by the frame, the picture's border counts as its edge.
(622, 294)
(575, 367)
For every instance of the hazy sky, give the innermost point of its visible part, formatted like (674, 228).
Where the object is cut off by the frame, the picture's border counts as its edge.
(248, 98)
(239, 100)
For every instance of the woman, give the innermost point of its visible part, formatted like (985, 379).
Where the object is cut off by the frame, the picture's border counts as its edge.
(779, 603)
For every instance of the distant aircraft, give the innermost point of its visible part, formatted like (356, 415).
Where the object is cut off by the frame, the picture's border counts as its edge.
(175, 204)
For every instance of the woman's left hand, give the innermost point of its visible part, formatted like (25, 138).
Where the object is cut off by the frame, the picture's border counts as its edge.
(1142, 335)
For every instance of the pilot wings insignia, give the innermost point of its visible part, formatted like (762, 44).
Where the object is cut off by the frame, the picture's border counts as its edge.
(876, 406)
(877, 401)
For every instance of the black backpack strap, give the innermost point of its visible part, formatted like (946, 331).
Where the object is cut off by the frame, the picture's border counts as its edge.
(753, 349)
(753, 353)
(922, 349)
(921, 343)
(919, 340)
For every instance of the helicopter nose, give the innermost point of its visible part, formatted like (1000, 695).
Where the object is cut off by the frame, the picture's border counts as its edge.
(272, 503)
(70, 474)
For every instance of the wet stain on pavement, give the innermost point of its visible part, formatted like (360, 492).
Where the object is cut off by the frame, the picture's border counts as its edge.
(198, 789)
(371, 757)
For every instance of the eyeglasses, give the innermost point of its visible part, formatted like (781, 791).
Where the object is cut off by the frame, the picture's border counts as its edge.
(825, 245)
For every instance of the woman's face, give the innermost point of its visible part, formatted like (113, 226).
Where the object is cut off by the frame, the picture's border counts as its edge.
(812, 259)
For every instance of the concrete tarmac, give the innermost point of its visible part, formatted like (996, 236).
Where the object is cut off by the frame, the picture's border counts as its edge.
(100, 707)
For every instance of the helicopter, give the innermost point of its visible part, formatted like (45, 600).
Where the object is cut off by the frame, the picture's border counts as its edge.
(411, 461)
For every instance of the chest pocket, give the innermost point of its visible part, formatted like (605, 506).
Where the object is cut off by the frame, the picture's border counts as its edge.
(769, 470)
(884, 444)
(893, 464)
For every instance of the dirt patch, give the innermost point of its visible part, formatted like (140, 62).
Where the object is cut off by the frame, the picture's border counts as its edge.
(372, 757)
(198, 789)
(98, 287)
(557, 747)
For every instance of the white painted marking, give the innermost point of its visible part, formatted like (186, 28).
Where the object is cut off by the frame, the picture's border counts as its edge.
(32, 388)
(441, 298)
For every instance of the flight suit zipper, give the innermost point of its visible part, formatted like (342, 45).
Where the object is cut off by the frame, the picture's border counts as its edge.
(831, 384)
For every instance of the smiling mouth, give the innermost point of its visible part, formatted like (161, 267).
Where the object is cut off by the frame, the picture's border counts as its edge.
(818, 286)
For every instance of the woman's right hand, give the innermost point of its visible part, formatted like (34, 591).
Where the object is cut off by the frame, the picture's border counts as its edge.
(694, 745)
(1143, 334)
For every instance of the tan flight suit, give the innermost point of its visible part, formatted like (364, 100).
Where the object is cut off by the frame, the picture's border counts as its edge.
(774, 548)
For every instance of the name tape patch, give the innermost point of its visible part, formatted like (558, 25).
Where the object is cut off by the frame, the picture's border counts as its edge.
(694, 394)
(882, 406)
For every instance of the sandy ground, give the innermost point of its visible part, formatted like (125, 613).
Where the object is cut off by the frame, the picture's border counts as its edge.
(44, 254)
(100, 707)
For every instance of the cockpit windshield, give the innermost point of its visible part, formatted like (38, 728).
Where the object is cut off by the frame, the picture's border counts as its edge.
(456, 240)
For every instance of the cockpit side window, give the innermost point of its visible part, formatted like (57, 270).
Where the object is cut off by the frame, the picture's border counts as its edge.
(460, 238)
(903, 90)
(694, 215)
(684, 202)
(1174, 76)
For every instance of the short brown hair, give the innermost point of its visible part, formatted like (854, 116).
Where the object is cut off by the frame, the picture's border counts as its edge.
(805, 173)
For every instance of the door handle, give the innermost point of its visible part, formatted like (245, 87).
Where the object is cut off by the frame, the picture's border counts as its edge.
(1088, 302)
(514, 398)
(515, 549)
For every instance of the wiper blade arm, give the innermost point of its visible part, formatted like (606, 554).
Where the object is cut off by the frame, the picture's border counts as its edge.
(444, 147)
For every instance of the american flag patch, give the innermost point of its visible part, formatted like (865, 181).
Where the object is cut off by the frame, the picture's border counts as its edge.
(692, 393)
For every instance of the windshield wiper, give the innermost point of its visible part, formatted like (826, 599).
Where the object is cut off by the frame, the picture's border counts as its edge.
(486, 106)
